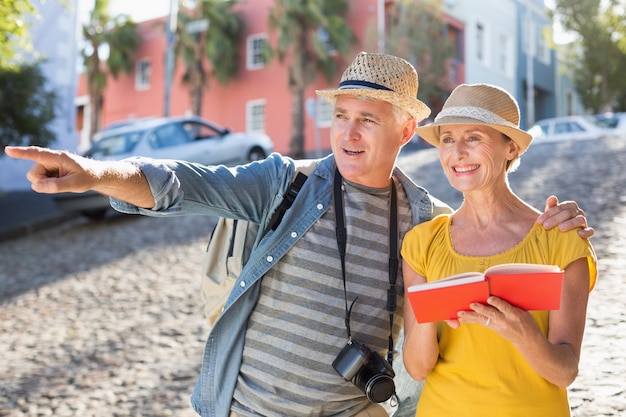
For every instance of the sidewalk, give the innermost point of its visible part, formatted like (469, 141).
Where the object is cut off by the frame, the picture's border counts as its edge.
(23, 212)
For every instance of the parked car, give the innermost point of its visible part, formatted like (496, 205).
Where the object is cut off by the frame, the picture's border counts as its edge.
(567, 128)
(614, 121)
(190, 139)
(125, 122)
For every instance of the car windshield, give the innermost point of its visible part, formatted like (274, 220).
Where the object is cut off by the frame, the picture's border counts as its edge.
(607, 120)
(568, 127)
(113, 145)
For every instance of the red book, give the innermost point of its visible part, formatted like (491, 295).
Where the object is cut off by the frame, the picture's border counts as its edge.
(528, 286)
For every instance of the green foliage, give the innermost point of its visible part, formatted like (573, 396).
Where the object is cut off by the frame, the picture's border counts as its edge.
(312, 33)
(316, 29)
(26, 107)
(598, 56)
(219, 45)
(14, 39)
(120, 34)
(123, 41)
(417, 33)
(223, 38)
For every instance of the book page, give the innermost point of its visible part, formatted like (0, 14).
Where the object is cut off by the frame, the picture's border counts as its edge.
(521, 269)
(454, 280)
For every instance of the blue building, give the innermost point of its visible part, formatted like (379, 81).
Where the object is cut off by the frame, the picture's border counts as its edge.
(509, 43)
(536, 82)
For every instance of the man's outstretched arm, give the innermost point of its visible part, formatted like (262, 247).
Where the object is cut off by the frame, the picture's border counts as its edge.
(60, 171)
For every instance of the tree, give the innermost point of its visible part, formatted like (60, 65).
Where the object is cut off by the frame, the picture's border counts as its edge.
(598, 55)
(310, 33)
(14, 39)
(417, 33)
(218, 44)
(121, 37)
(26, 107)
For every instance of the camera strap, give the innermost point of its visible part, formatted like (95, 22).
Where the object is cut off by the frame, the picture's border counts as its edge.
(341, 234)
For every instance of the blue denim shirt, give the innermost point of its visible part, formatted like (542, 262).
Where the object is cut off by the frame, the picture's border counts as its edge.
(250, 192)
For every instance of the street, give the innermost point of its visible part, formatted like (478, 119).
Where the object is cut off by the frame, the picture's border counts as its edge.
(104, 318)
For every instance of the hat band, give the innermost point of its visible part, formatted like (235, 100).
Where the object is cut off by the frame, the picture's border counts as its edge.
(477, 113)
(359, 84)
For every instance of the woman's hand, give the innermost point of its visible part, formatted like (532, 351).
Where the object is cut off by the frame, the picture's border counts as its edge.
(512, 323)
(556, 356)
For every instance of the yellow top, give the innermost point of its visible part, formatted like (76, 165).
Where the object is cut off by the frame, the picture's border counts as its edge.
(478, 372)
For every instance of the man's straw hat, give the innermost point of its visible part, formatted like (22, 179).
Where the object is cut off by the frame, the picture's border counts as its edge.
(382, 77)
(479, 104)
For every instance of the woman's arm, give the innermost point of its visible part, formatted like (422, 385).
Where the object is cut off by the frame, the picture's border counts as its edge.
(556, 356)
(420, 349)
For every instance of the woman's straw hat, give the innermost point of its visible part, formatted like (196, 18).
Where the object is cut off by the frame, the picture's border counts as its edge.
(479, 104)
(382, 77)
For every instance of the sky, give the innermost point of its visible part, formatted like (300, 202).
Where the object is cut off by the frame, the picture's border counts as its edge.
(558, 33)
(141, 10)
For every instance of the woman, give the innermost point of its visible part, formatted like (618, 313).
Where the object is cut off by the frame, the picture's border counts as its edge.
(495, 359)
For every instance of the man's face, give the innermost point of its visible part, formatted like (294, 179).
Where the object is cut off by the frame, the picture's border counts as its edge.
(366, 139)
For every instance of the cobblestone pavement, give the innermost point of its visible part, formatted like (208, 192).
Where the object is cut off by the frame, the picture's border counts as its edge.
(105, 318)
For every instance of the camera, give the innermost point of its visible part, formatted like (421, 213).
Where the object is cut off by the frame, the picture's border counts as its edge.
(372, 374)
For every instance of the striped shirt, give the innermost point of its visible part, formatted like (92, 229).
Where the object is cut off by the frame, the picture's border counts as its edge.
(297, 328)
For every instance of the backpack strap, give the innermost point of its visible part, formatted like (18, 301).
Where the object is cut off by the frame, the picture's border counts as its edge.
(231, 243)
(290, 196)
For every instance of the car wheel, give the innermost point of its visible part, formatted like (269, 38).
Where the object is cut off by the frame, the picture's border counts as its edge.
(256, 154)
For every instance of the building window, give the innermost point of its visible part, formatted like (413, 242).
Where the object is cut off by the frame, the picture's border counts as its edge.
(543, 51)
(480, 42)
(528, 38)
(255, 116)
(142, 74)
(255, 58)
(505, 55)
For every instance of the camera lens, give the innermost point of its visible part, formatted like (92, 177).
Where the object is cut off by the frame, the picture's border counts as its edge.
(379, 388)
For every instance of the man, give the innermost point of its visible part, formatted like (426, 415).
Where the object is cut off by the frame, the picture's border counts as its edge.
(279, 346)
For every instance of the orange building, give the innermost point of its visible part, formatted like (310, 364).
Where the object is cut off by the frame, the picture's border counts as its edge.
(257, 99)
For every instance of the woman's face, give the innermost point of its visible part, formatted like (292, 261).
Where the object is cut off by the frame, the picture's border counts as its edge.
(474, 157)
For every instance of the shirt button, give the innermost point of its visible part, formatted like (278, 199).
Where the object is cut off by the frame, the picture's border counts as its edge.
(294, 235)
(242, 284)
(320, 206)
(482, 261)
(269, 258)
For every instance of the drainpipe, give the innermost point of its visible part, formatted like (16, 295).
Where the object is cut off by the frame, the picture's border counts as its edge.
(169, 56)
(381, 26)
(530, 72)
